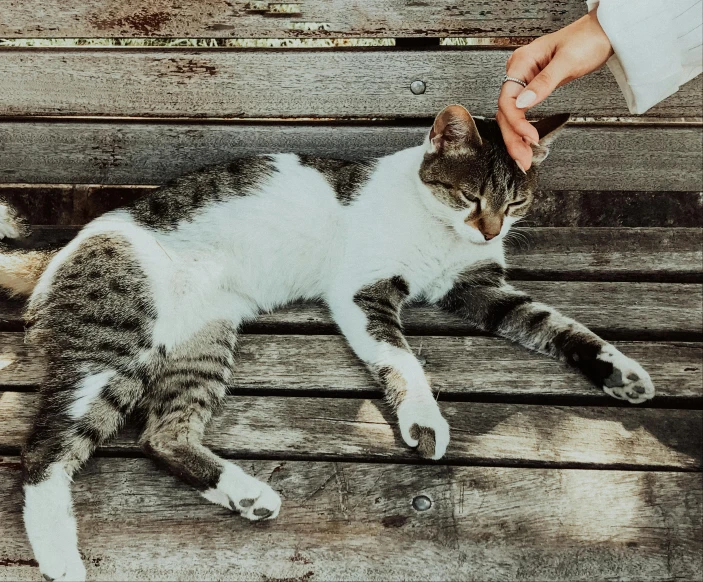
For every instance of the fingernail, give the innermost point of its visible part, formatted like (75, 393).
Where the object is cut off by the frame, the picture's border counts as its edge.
(525, 99)
(530, 141)
(519, 165)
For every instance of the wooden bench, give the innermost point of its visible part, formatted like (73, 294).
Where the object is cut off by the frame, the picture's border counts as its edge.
(546, 478)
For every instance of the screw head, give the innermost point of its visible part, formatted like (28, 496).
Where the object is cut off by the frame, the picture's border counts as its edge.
(418, 87)
(422, 503)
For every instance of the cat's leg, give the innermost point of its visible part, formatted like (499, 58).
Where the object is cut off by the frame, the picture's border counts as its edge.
(191, 384)
(79, 412)
(482, 296)
(370, 321)
(93, 322)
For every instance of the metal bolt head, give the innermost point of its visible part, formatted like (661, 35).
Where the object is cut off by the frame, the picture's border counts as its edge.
(422, 503)
(418, 87)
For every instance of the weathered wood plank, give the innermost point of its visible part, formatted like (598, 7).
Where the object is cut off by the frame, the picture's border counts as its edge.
(303, 19)
(642, 254)
(636, 311)
(585, 158)
(226, 83)
(484, 433)
(639, 311)
(472, 367)
(71, 204)
(138, 523)
(569, 254)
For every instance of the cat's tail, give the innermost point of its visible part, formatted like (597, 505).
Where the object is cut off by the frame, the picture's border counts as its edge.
(20, 268)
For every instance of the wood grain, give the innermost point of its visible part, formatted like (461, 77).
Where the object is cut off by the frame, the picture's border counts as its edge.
(585, 158)
(568, 254)
(241, 83)
(614, 310)
(636, 311)
(485, 433)
(305, 19)
(343, 521)
(642, 254)
(71, 204)
(459, 368)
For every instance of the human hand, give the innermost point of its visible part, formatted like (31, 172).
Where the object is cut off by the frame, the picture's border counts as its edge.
(545, 64)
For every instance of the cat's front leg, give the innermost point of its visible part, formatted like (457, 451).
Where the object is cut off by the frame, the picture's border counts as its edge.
(482, 296)
(370, 320)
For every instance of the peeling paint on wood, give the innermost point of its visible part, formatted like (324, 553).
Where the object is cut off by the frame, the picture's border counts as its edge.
(239, 19)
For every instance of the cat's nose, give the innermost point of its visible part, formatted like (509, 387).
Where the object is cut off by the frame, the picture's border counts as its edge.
(489, 235)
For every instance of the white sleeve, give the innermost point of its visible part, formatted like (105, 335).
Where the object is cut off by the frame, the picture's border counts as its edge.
(657, 45)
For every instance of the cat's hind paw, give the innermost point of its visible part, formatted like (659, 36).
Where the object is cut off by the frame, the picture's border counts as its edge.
(629, 381)
(422, 426)
(245, 495)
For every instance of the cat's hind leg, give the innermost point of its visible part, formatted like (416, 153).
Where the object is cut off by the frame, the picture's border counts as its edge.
(93, 321)
(74, 420)
(191, 384)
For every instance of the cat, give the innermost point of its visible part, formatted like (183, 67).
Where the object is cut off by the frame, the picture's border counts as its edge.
(139, 313)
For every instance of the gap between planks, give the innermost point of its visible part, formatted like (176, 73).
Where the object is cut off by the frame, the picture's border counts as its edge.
(77, 204)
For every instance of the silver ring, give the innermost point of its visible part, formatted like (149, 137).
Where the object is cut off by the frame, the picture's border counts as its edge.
(514, 80)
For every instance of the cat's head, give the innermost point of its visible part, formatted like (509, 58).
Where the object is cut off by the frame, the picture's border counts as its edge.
(475, 186)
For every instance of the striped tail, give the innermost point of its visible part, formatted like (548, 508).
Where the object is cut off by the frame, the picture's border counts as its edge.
(20, 268)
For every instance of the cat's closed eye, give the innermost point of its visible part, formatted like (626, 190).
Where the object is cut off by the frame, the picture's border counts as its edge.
(516, 205)
(470, 199)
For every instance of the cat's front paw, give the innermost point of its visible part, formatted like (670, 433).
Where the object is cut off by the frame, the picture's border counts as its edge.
(423, 426)
(66, 566)
(245, 495)
(629, 381)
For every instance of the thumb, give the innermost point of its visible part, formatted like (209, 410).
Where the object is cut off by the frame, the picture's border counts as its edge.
(541, 87)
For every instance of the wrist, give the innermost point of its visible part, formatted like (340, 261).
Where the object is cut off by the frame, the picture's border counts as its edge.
(598, 34)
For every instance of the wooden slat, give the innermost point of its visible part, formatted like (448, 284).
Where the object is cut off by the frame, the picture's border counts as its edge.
(225, 83)
(360, 429)
(570, 254)
(303, 19)
(471, 367)
(585, 158)
(344, 521)
(643, 254)
(614, 310)
(636, 311)
(70, 204)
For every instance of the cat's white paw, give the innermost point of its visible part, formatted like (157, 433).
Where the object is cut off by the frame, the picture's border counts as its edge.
(245, 495)
(423, 426)
(64, 567)
(629, 381)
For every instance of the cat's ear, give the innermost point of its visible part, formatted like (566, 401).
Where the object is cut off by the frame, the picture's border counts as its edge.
(453, 127)
(548, 129)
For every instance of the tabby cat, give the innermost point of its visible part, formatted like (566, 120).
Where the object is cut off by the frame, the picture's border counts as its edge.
(139, 313)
